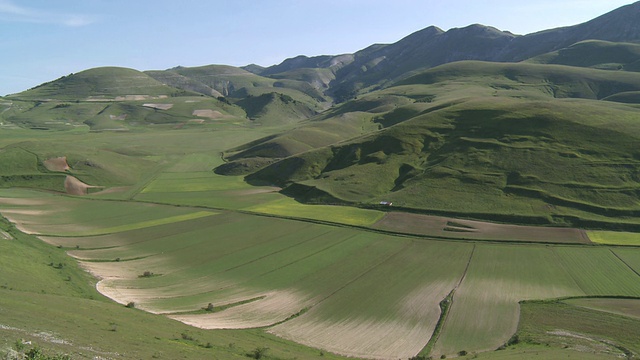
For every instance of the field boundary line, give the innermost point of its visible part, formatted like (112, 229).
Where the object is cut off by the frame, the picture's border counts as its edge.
(624, 262)
(275, 252)
(444, 315)
(364, 273)
(358, 227)
(307, 256)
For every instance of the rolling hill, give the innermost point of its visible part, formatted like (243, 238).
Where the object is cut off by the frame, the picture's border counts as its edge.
(480, 139)
(451, 194)
(99, 84)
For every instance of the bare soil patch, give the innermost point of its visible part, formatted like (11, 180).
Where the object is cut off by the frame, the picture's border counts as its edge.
(391, 339)
(74, 186)
(264, 190)
(211, 114)
(159, 106)
(277, 306)
(57, 164)
(476, 230)
(20, 201)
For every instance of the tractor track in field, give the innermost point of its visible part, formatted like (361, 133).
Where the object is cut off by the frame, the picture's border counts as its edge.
(624, 262)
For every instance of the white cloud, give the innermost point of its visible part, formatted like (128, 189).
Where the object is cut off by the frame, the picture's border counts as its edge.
(12, 12)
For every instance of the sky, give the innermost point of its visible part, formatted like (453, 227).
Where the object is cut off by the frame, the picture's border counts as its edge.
(42, 40)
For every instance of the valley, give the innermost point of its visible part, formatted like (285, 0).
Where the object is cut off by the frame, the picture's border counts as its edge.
(332, 207)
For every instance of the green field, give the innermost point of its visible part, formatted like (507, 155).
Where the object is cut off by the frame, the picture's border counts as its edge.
(300, 279)
(614, 238)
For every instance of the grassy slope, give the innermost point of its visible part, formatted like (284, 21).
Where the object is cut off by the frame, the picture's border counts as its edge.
(496, 131)
(401, 110)
(596, 54)
(36, 298)
(272, 101)
(560, 324)
(105, 82)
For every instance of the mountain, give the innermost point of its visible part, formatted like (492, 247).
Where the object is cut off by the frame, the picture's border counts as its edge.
(620, 25)
(380, 65)
(479, 139)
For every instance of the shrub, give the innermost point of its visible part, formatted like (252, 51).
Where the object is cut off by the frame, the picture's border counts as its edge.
(258, 353)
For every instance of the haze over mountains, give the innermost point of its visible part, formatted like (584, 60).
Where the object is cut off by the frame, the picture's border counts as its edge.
(483, 116)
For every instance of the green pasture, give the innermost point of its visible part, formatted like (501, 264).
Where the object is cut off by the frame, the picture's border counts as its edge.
(338, 214)
(614, 238)
(68, 216)
(598, 271)
(39, 285)
(624, 307)
(598, 334)
(497, 278)
(194, 182)
(224, 199)
(359, 319)
(630, 257)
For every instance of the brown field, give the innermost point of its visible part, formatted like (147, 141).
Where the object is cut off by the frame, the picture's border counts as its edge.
(476, 230)
(74, 186)
(57, 164)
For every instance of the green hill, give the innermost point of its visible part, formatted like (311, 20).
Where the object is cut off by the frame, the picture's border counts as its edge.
(480, 139)
(596, 54)
(250, 91)
(99, 83)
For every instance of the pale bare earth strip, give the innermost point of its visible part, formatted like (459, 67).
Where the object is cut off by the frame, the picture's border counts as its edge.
(275, 307)
(112, 274)
(401, 335)
(211, 114)
(25, 223)
(21, 201)
(159, 106)
(5, 235)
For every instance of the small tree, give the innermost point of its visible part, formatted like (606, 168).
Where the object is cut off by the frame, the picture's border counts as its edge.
(210, 307)
(259, 352)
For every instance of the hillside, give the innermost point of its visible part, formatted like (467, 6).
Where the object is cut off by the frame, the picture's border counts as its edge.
(236, 84)
(480, 139)
(99, 84)
(596, 54)
(449, 195)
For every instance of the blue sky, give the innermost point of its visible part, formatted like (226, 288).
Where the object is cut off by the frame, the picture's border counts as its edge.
(41, 40)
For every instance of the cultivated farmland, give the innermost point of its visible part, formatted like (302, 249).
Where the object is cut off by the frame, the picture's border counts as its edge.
(312, 283)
